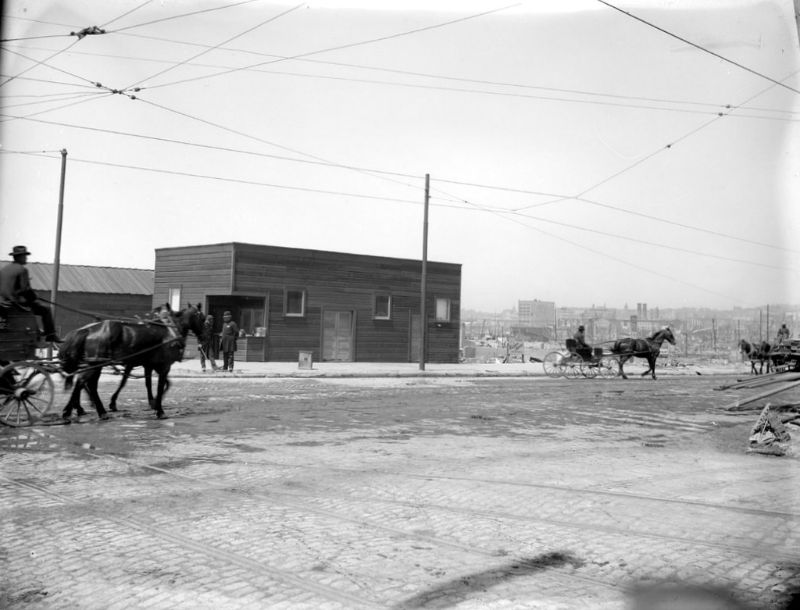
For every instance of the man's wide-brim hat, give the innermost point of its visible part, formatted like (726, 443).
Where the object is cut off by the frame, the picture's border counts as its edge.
(18, 251)
(227, 313)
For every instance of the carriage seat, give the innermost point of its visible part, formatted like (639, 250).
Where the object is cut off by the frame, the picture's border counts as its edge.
(19, 334)
(572, 346)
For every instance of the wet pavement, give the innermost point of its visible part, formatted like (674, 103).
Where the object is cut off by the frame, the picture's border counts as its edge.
(390, 489)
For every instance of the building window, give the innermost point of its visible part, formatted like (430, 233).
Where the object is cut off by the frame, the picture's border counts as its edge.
(382, 307)
(442, 310)
(175, 299)
(294, 303)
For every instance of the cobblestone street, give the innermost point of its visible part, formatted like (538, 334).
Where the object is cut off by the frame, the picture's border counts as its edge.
(401, 493)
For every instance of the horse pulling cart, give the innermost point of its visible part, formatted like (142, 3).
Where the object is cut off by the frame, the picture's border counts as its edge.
(572, 364)
(607, 364)
(26, 383)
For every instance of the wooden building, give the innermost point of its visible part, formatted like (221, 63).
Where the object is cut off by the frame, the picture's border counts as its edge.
(336, 306)
(83, 290)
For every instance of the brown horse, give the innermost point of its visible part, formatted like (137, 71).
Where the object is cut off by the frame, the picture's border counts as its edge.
(153, 345)
(757, 352)
(648, 348)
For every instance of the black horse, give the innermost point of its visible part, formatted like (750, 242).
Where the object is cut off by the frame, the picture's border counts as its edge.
(153, 345)
(756, 352)
(648, 348)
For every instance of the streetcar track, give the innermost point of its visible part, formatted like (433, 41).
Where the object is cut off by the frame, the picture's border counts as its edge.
(206, 549)
(304, 507)
(561, 488)
(488, 514)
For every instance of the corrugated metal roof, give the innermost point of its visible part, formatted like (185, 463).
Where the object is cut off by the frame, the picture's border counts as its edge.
(83, 278)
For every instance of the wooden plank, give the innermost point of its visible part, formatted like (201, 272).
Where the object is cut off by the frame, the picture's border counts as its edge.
(751, 399)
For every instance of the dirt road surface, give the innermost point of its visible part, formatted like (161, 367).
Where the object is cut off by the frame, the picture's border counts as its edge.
(401, 493)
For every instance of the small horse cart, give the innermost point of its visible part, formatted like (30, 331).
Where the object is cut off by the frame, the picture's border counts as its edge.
(572, 364)
(785, 356)
(26, 384)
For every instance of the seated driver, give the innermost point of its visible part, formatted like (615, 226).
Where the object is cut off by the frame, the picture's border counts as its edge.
(583, 349)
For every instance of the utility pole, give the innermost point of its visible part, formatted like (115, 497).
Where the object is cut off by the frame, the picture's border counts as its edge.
(423, 297)
(766, 328)
(57, 258)
(714, 334)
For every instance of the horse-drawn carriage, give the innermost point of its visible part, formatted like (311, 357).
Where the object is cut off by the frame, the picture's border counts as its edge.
(786, 356)
(26, 381)
(573, 363)
(608, 364)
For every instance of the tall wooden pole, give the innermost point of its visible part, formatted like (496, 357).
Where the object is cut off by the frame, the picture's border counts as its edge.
(57, 257)
(424, 287)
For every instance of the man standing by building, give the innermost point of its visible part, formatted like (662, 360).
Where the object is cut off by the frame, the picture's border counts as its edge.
(208, 344)
(228, 341)
(16, 291)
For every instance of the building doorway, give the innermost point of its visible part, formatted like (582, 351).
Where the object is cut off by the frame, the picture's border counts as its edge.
(337, 336)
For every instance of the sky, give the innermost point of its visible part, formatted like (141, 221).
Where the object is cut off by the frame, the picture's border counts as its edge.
(579, 151)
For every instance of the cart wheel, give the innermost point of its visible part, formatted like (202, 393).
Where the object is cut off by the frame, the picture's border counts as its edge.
(589, 369)
(572, 364)
(609, 367)
(26, 393)
(553, 364)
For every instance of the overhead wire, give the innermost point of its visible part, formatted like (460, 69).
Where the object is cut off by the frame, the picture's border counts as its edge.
(451, 198)
(55, 99)
(709, 105)
(344, 46)
(353, 195)
(182, 15)
(699, 47)
(212, 48)
(38, 62)
(123, 15)
(286, 148)
(608, 255)
(83, 101)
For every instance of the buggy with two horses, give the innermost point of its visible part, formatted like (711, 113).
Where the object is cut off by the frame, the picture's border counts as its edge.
(27, 390)
(609, 363)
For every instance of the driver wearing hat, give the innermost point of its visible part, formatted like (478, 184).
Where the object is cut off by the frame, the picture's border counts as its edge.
(583, 348)
(16, 291)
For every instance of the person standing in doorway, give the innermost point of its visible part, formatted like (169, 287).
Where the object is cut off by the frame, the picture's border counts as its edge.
(228, 341)
(208, 344)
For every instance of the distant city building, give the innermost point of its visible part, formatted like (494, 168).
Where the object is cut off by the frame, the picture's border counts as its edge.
(536, 313)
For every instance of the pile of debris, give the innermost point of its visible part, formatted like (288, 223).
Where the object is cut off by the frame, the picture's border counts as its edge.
(769, 435)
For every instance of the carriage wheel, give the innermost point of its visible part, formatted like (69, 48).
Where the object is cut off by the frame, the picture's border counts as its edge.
(609, 367)
(26, 393)
(589, 369)
(553, 364)
(572, 366)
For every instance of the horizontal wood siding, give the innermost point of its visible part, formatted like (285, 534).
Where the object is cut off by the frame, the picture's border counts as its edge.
(332, 281)
(196, 270)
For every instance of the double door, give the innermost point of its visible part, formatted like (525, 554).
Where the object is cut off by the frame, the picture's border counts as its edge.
(338, 331)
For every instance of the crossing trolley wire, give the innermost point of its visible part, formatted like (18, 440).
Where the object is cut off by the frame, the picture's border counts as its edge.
(700, 47)
(344, 46)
